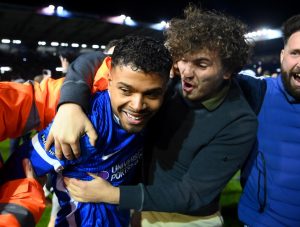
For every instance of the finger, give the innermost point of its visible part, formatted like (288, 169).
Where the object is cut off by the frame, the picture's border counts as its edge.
(90, 131)
(66, 181)
(58, 150)
(67, 151)
(72, 186)
(93, 175)
(78, 199)
(27, 168)
(76, 194)
(71, 181)
(49, 141)
(76, 149)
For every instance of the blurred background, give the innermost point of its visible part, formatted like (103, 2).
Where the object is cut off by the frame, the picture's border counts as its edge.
(33, 33)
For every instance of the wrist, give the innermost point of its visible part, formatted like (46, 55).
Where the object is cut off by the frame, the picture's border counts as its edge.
(114, 195)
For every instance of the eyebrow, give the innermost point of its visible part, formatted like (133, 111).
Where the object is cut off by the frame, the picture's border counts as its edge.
(124, 84)
(201, 59)
(159, 89)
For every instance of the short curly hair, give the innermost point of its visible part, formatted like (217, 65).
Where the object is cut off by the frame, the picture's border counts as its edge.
(143, 53)
(211, 30)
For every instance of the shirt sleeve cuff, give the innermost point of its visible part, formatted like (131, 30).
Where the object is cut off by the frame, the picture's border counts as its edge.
(132, 197)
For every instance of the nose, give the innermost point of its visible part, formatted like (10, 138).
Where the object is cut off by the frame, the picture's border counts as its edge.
(137, 103)
(298, 63)
(186, 70)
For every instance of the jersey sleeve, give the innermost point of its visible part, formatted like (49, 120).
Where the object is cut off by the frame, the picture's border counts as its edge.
(45, 161)
(42, 161)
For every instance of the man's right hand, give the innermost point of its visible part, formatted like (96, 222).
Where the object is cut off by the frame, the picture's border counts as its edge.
(94, 191)
(70, 123)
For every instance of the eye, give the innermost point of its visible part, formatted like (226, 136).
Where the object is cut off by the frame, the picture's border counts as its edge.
(125, 91)
(154, 94)
(183, 60)
(201, 64)
(295, 53)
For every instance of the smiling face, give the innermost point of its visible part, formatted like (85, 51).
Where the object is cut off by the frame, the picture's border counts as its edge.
(135, 96)
(290, 65)
(201, 74)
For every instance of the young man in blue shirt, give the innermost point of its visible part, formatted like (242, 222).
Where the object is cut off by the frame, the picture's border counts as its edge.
(137, 75)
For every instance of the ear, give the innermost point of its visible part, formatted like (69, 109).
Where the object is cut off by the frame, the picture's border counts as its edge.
(109, 77)
(281, 56)
(175, 70)
(108, 64)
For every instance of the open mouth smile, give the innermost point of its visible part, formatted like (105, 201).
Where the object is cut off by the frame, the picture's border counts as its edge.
(135, 118)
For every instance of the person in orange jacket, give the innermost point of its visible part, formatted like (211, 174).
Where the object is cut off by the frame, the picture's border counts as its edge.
(24, 107)
(22, 201)
(32, 105)
(27, 106)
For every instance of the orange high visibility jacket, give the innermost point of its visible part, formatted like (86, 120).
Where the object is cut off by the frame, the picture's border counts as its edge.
(22, 202)
(27, 106)
(22, 108)
(32, 105)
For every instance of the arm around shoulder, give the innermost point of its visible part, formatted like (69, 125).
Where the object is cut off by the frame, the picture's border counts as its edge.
(79, 79)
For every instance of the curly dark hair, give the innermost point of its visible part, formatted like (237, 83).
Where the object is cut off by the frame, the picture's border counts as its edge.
(211, 30)
(110, 44)
(143, 53)
(290, 26)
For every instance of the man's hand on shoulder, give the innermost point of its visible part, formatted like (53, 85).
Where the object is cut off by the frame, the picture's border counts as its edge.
(70, 123)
